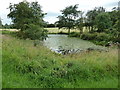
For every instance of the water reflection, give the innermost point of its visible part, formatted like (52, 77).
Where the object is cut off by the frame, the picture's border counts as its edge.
(60, 43)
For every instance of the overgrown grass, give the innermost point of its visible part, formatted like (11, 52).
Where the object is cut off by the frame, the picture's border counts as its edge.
(26, 66)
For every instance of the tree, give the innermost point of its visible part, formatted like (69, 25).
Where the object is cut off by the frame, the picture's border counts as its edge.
(35, 32)
(103, 22)
(91, 15)
(6, 26)
(79, 23)
(61, 22)
(114, 15)
(27, 16)
(68, 17)
(117, 26)
(50, 25)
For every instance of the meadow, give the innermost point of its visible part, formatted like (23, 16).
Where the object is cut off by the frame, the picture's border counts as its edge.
(50, 30)
(63, 30)
(27, 66)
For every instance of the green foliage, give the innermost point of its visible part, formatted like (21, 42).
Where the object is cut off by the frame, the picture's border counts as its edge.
(67, 19)
(103, 37)
(74, 34)
(98, 38)
(28, 17)
(20, 14)
(35, 32)
(88, 36)
(79, 23)
(91, 15)
(61, 22)
(114, 15)
(6, 32)
(103, 22)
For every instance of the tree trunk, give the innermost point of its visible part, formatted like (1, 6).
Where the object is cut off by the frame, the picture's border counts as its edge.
(69, 31)
(81, 31)
(91, 28)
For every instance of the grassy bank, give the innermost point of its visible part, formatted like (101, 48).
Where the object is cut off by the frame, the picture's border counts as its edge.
(26, 66)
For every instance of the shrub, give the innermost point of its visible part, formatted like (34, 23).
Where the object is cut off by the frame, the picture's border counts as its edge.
(33, 32)
(89, 36)
(98, 38)
(74, 34)
(102, 37)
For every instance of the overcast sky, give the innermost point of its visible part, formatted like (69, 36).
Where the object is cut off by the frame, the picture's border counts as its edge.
(53, 7)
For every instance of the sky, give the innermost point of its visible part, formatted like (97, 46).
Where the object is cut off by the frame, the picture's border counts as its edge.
(53, 7)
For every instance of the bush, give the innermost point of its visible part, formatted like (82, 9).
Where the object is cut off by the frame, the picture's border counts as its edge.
(98, 38)
(102, 37)
(33, 32)
(89, 36)
(74, 34)
(103, 43)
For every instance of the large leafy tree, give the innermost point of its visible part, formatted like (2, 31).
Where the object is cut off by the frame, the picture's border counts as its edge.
(61, 23)
(116, 24)
(68, 17)
(103, 21)
(91, 15)
(27, 16)
(80, 22)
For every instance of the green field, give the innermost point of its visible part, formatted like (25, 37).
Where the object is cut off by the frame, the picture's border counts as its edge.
(56, 30)
(51, 30)
(26, 66)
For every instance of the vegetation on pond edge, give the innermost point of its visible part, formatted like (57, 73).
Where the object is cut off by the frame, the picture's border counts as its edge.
(26, 66)
(104, 39)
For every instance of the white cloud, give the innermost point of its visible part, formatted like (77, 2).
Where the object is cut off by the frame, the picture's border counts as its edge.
(55, 6)
(51, 19)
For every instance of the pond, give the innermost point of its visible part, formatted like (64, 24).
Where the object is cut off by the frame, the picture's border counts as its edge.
(58, 41)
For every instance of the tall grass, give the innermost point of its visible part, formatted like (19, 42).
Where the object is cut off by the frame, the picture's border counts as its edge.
(26, 66)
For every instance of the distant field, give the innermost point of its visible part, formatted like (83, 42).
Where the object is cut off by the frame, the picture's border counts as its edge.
(9, 29)
(56, 30)
(52, 30)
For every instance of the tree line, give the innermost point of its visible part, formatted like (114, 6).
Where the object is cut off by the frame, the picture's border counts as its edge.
(102, 25)
(28, 18)
(95, 20)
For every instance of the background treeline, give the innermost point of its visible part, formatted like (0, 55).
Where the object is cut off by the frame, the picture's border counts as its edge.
(97, 25)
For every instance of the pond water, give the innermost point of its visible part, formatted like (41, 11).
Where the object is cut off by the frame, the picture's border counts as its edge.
(57, 41)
